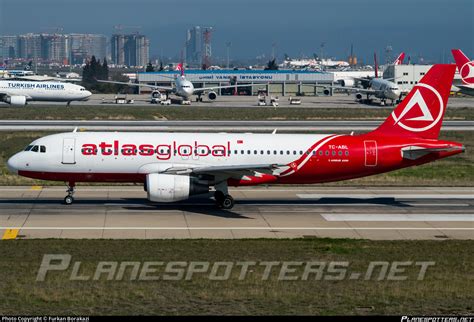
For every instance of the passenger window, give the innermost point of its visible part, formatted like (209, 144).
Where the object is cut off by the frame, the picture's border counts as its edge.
(347, 153)
(35, 148)
(42, 149)
(320, 152)
(340, 153)
(326, 153)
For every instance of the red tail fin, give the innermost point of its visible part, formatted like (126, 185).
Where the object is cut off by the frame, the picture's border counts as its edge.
(399, 59)
(421, 113)
(180, 68)
(465, 67)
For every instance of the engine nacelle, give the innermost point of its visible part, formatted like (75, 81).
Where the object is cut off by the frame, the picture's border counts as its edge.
(16, 100)
(359, 96)
(170, 188)
(326, 91)
(211, 95)
(346, 82)
(155, 94)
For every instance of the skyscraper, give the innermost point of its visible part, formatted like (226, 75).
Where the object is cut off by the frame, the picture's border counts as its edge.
(8, 47)
(130, 50)
(84, 46)
(194, 46)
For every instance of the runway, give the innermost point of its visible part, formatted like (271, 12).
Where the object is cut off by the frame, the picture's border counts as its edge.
(208, 126)
(278, 212)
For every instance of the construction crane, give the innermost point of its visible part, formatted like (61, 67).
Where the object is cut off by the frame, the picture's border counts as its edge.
(119, 28)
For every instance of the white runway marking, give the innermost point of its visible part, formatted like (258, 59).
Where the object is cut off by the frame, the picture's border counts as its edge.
(399, 217)
(384, 195)
(238, 228)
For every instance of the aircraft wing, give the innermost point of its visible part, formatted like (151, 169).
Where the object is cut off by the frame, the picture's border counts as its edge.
(414, 152)
(235, 171)
(347, 89)
(466, 89)
(203, 89)
(164, 88)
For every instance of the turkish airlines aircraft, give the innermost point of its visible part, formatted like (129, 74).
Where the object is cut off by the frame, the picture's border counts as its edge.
(174, 166)
(18, 93)
(183, 88)
(466, 70)
(380, 88)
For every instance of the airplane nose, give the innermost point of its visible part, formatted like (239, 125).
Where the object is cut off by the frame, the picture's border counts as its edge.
(13, 164)
(87, 94)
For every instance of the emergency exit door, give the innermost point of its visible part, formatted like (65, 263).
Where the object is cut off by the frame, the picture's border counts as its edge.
(69, 155)
(370, 153)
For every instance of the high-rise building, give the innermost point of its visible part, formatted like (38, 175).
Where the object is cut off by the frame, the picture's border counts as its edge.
(29, 46)
(55, 48)
(8, 47)
(194, 46)
(130, 50)
(84, 46)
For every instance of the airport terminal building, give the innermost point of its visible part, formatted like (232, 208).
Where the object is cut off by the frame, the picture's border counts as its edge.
(274, 82)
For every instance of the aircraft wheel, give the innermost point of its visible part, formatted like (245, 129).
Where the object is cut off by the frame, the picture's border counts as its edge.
(228, 202)
(68, 200)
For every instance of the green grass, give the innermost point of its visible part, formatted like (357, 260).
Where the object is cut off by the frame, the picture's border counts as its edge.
(206, 113)
(453, 171)
(446, 289)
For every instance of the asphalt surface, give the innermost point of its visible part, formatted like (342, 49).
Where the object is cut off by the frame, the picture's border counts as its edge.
(278, 212)
(208, 126)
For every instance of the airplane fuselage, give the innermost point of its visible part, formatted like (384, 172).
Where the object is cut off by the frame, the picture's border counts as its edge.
(44, 91)
(129, 157)
(385, 89)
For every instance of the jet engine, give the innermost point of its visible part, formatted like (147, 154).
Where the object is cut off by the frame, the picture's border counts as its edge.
(326, 91)
(16, 100)
(156, 94)
(170, 188)
(359, 96)
(346, 82)
(211, 95)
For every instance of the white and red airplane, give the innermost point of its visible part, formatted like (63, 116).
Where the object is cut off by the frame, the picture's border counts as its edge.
(466, 70)
(174, 166)
(183, 88)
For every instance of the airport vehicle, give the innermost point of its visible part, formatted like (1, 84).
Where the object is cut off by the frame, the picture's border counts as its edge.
(18, 93)
(175, 166)
(466, 70)
(183, 88)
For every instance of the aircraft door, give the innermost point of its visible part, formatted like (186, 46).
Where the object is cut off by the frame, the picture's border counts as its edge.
(69, 151)
(370, 153)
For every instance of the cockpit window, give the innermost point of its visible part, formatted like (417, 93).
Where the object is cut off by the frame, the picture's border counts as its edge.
(42, 149)
(35, 148)
(28, 148)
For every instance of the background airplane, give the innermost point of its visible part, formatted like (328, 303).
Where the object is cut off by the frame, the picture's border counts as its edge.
(383, 89)
(466, 70)
(183, 88)
(18, 93)
(175, 166)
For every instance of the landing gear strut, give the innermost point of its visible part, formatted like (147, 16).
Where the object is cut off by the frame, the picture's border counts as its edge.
(224, 201)
(69, 199)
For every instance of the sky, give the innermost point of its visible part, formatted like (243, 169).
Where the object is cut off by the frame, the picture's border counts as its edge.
(421, 28)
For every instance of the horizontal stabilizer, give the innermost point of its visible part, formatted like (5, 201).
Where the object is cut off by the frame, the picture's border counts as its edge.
(414, 152)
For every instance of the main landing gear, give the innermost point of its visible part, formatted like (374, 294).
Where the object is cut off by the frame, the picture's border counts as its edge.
(69, 199)
(223, 200)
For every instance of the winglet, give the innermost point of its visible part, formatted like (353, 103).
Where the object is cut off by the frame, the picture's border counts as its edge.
(75, 130)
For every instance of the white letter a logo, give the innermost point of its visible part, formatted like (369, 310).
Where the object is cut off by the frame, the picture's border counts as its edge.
(417, 98)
